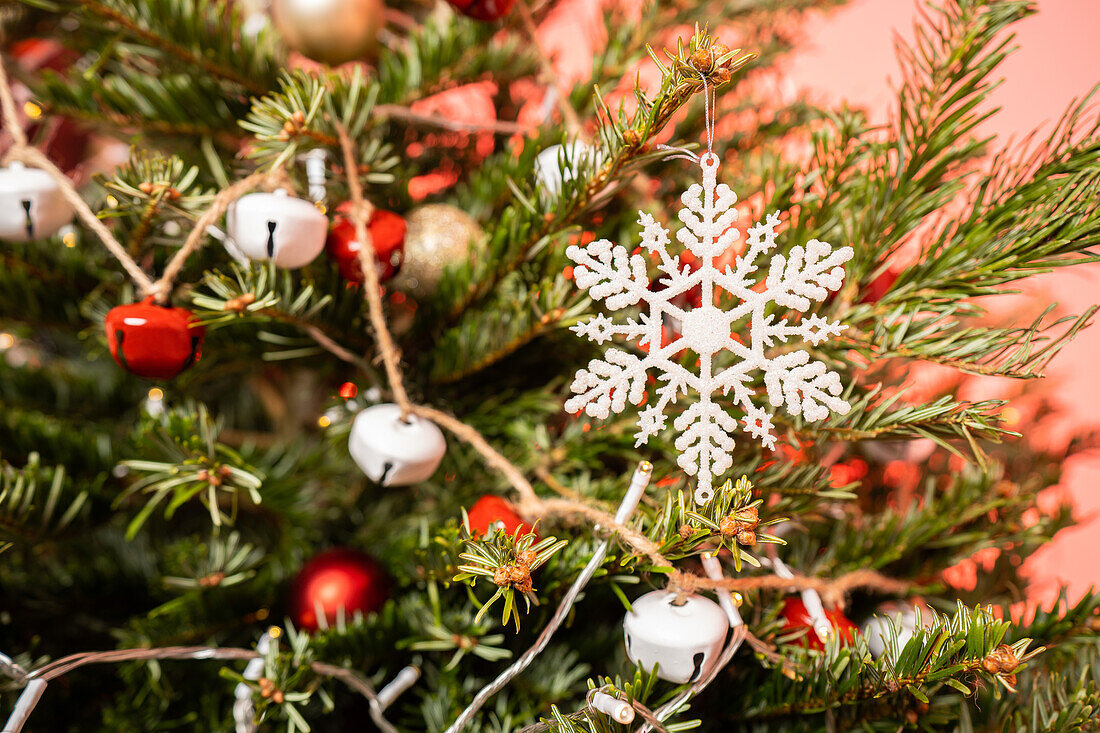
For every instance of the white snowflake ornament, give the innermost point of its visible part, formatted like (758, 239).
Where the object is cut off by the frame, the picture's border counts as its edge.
(792, 379)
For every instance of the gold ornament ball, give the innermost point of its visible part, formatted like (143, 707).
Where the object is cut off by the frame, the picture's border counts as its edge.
(331, 31)
(438, 235)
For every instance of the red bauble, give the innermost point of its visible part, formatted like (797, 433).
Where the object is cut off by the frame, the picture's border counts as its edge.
(489, 511)
(153, 341)
(336, 579)
(796, 617)
(879, 287)
(387, 233)
(483, 9)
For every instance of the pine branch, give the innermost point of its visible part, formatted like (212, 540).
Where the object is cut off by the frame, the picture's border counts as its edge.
(200, 35)
(936, 336)
(516, 315)
(952, 655)
(38, 502)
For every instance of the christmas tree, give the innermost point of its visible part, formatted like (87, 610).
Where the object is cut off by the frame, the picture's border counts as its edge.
(381, 388)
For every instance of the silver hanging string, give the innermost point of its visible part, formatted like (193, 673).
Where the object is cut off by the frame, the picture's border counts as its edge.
(710, 101)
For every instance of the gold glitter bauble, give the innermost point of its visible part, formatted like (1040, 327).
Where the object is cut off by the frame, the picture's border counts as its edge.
(331, 31)
(438, 235)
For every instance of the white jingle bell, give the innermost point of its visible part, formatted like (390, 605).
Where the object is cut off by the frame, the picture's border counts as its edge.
(552, 168)
(31, 204)
(683, 640)
(276, 226)
(395, 451)
(876, 630)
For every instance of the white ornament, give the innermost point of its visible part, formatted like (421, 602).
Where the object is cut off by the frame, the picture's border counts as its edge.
(395, 451)
(31, 204)
(877, 629)
(683, 640)
(243, 711)
(804, 386)
(276, 226)
(560, 163)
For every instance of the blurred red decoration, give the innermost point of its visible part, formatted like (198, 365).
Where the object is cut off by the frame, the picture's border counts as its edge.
(336, 579)
(483, 9)
(348, 390)
(796, 617)
(387, 233)
(489, 511)
(60, 138)
(153, 341)
(879, 287)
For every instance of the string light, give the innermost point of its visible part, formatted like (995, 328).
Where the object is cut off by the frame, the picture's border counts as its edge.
(6, 341)
(156, 394)
(32, 110)
(324, 421)
(69, 239)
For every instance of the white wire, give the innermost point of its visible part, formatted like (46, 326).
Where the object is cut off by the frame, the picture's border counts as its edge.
(629, 503)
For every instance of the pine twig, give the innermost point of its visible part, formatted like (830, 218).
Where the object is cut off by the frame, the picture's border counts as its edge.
(401, 112)
(168, 46)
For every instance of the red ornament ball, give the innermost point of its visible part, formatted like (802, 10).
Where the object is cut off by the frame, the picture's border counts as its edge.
(348, 390)
(483, 9)
(489, 511)
(387, 233)
(796, 617)
(336, 579)
(153, 341)
(880, 286)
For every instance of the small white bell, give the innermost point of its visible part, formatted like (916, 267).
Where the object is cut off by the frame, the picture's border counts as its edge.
(876, 630)
(276, 226)
(549, 166)
(684, 640)
(392, 451)
(31, 204)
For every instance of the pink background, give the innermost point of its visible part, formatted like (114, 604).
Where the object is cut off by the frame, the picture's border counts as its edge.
(848, 55)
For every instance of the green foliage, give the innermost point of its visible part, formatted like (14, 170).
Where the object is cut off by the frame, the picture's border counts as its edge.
(37, 502)
(167, 67)
(198, 467)
(951, 652)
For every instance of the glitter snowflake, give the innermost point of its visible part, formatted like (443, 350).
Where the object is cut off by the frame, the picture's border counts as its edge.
(804, 386)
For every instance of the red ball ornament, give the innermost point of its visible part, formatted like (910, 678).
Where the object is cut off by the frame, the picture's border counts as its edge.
(489, 511)
(387, 233)
(336, 579)
(880, 286)
(153, 341)
(483, 9)
(796, 617)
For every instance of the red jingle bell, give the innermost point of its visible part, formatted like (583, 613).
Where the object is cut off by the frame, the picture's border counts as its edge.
(483, 9)
(153, 341)
(489, 512)
(797, 617)
(337, 579)
(387, 233)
